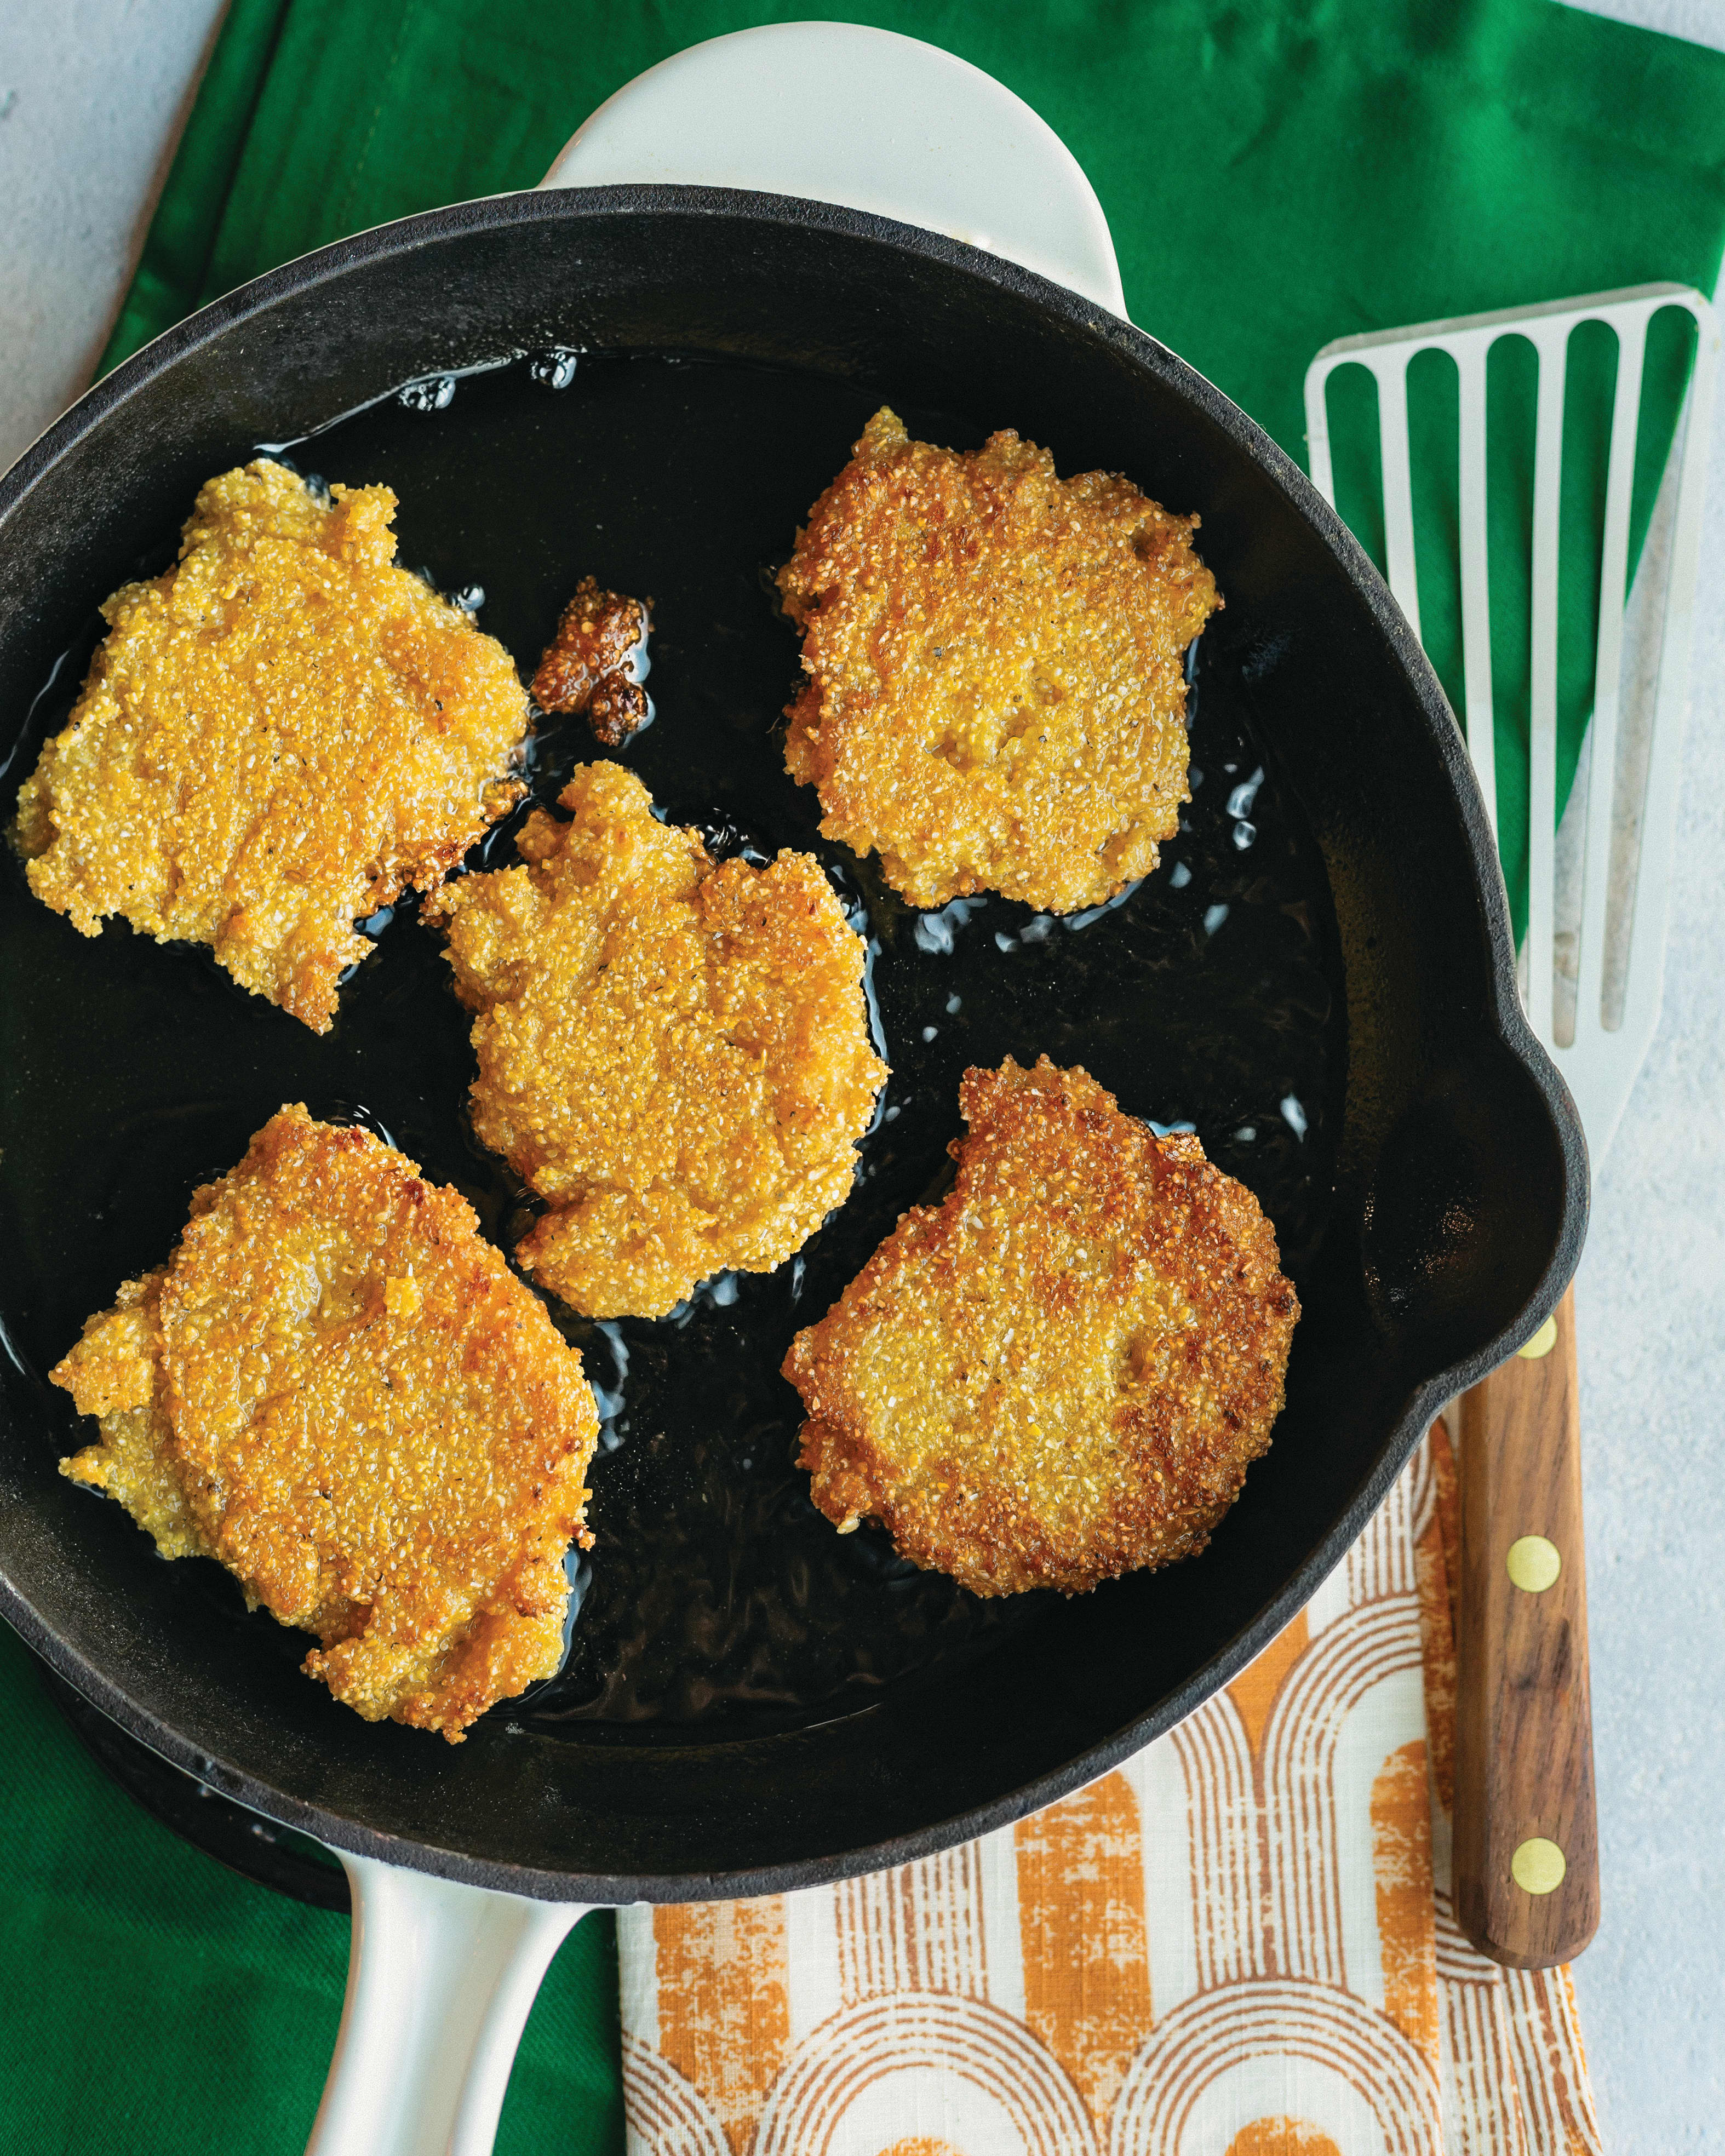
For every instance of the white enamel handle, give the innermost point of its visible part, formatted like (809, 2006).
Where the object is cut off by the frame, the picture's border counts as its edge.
(834, 112)
(441, 1980)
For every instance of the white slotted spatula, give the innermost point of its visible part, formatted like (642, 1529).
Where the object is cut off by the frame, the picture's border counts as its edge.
(1526, 1857)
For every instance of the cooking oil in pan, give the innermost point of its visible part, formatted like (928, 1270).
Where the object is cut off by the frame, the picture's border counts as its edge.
(718, 1601)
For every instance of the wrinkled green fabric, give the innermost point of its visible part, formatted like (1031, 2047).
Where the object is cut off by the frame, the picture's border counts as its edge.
(157, 2005)
(1275, 176)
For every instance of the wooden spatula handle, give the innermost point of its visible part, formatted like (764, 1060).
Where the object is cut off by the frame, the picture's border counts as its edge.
(1527, 1866)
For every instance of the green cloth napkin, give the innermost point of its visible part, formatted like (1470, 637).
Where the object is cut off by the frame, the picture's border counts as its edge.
(156, 2004)
(1275, 175)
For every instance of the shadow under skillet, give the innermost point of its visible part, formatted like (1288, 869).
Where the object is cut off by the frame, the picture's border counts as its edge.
(261, 1850)
(718, 1602)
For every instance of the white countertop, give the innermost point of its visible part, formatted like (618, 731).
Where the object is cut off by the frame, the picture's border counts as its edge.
(93, 93)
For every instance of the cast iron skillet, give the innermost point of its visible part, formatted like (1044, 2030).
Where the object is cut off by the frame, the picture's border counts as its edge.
(743, 1712)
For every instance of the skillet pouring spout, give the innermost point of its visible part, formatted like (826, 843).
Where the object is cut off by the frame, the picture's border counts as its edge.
(1343, 1031)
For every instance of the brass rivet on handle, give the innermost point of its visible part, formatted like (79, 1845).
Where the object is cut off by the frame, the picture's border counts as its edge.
(1543, 1341)
(1538, 1867)
(1534, 1563)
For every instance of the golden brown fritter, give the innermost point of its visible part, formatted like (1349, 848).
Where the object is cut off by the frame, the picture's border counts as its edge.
(588, 665)
(996, 698)
(276, 737)
(1062, 1373)
(673, 1051)
(338, 1388)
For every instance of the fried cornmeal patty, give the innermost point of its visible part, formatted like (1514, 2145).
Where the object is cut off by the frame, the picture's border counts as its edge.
(1063, 1371)
(673, 1051)
(277, 736)
(997, 693)
(338, 1388)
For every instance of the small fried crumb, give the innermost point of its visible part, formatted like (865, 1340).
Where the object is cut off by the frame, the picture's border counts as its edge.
(586, 666)
(1063, 1371)
(617, 709)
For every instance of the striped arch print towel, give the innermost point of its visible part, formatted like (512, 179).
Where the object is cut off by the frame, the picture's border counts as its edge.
(1240, 1945)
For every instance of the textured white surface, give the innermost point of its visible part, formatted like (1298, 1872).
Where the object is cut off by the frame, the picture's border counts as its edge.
(1703, 21)
(92, 93)
(1650, 1303)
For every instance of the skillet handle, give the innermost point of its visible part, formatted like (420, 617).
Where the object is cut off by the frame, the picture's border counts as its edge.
(441, 1980)
(1526, 1865)
(836, 112)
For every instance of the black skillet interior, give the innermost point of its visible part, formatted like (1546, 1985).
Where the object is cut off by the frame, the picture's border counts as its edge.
(1311, 979)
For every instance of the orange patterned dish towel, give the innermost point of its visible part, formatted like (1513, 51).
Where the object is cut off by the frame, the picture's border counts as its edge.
(1239, 1944)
